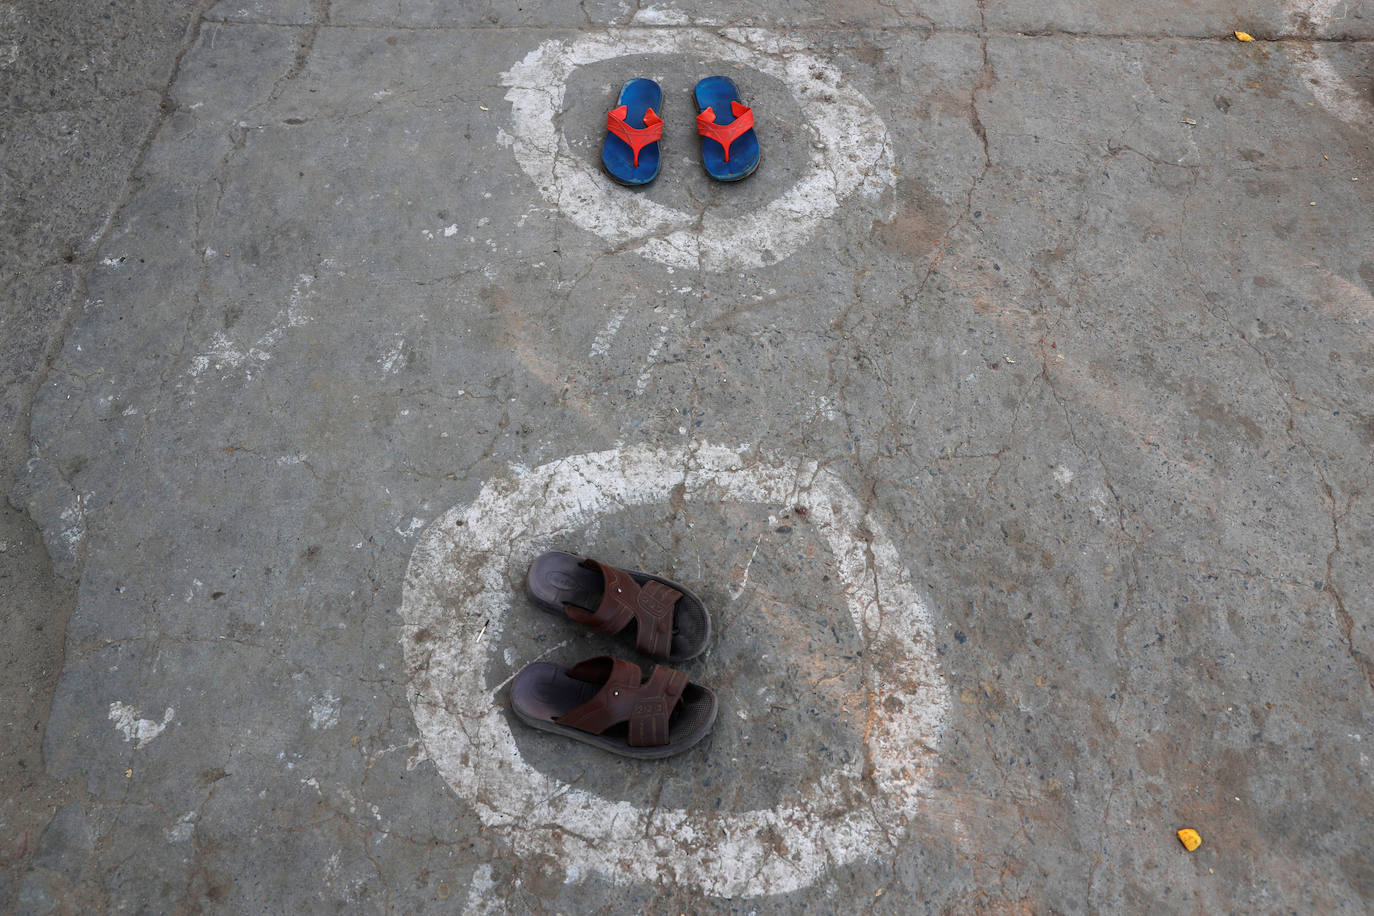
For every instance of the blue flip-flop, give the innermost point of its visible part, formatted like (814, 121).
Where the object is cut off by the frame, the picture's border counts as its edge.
(729, 146)
(633, 129)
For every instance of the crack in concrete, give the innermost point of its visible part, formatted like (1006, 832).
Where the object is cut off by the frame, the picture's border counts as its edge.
(1284, 390)
(1345, 622)
(1297, 36)
(128, 191)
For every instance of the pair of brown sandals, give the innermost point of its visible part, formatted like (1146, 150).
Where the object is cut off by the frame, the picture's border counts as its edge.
(607, 702)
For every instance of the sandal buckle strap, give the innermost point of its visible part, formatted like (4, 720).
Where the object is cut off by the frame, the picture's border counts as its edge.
(654, 614)
(651, 605)
(647, 706)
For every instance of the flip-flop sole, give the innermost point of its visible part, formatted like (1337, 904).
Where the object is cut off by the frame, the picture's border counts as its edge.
(716, 93)
(543, 691)
(557, 578)
(617, 158)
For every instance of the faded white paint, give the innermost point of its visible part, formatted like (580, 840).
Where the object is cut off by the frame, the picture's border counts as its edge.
(849, 151)
(738, 589)
(652, 15)
(602, 344)
(324, 711)
(126, 719)
(73, 522)
(224, 353)
(481, 893)
(183, 829)
(844, 816)
(647, 374)
(1332, 91)
(299, 290)
(823, 406)
(394, 359)
(414, 525)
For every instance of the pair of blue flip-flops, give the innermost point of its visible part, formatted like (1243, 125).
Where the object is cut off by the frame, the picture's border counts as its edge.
(729, 146)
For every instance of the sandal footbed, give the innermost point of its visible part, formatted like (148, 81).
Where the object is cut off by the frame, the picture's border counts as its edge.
(716, 92)
(617, 158)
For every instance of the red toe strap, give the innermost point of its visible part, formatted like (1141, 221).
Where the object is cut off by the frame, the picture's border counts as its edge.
(636, 137)
(725, 134)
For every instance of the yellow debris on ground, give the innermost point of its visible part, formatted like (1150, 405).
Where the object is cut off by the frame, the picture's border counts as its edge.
(1244, 36)
(1190, 838)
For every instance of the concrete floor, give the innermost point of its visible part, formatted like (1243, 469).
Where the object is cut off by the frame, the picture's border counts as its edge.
(1014, 419)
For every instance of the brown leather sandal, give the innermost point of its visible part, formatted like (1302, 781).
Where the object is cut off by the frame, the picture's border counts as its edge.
(607, 703)
(671, 622)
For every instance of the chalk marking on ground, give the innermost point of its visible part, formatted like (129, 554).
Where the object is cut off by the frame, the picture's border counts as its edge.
(324, 711)
(183, 829)
(652, 15)
(127, 719)
(744, 580)
(849, 152)
(602, 344)
(646, 376)
(847, 815)
(224, 353)
(481, 892)
(394, 359)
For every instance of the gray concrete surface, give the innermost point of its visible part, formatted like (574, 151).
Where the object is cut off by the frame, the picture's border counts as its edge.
(83, 88)
(1091, 350)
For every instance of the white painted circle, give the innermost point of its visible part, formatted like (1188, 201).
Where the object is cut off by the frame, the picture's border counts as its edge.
(456, 590)
(849, 152)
